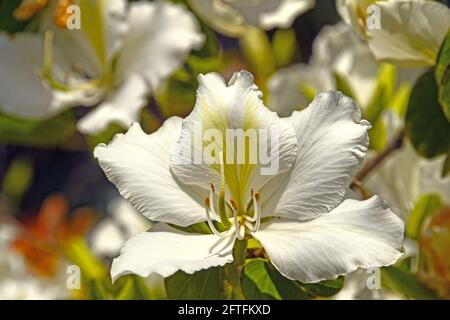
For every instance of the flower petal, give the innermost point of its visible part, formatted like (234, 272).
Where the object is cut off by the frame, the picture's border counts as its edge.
(122, 107)
(285, 13)
(332, 142)
(160, 37)
(138, 164)
(164, 250)
(225, 109)
(411, 33)
(19, 58)
(357, 234)
(285, 86)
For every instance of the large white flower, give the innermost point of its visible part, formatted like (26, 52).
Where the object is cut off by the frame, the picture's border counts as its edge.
(300, 215)
(230, 17)
(117, 58)
(410, 33)
(336, 50)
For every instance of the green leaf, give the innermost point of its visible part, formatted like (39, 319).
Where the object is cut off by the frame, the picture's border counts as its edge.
(443, 61)
(426, 206)
(426, 125)
(383, 93)
(343, 86)
(258, 52)
(126, 290)
(443, 76)
(7, 21)
(405, 283)
(261, 281)
(284, 45)
(446, 168)
(18, 179)
(325, 288)
(43, 133)
(205, 284)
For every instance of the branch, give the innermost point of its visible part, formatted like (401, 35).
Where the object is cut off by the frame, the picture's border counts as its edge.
(373, 163)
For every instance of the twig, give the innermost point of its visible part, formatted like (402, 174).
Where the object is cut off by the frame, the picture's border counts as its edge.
(370, 165)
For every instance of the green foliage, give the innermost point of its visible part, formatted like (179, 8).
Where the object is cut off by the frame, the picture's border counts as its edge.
(426, 206)
(426, 125)
(405, 283)
(442, 74)
(202, 285)
(284, 46)
(261, 281)
(17, 179)
(43, 133)
(7, 21)
(325, 288)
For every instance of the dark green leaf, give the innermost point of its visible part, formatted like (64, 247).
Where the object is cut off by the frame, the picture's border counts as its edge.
(325, 288)
(261, 281)
(426, 125)
(7, 21)
(206, 284)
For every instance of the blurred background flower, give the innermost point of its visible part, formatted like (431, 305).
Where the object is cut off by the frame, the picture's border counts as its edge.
(63, 91)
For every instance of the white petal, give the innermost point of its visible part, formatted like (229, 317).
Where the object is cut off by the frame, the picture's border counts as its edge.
(107, 238)
(138, 164)
(122, 107)
(340, 49)
(411, 33)
(164, 250)
(285, 14)
(332, 142)
(22, 92)
(357, 234)
(285, 86)
(222, 107)
(160, 37)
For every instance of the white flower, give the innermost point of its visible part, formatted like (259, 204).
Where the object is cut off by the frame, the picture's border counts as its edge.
(301, 215)
(405, 176)
(354, 12)
(117, 58)
(110, 234)
(411, 32)
(230, 17)
(336, 49)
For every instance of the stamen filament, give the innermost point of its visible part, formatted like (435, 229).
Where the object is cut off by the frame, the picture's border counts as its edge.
(210, 222)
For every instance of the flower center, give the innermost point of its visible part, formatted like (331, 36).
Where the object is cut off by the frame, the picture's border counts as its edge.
(231, 218)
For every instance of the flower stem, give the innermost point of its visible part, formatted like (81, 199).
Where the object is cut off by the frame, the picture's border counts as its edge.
(233, 270)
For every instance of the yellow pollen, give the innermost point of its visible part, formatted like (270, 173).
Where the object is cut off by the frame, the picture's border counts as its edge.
(61, 15)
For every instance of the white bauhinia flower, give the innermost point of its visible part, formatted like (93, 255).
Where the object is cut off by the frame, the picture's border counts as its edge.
(405, 176)
(410, 33)
(300, 215)
(110, 234)
(118, 57)
(354, 13)
(336, 50)
(231, 17)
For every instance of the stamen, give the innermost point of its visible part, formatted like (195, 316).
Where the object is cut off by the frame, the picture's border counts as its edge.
(239, 234)
(257, 216)
(210, 222)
